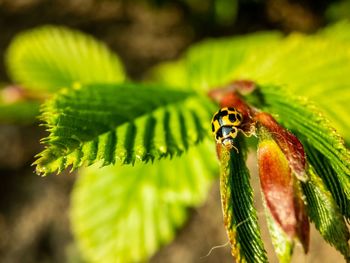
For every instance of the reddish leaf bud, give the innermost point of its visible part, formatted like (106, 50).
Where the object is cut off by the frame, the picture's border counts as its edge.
(288, 142)
(281, 191)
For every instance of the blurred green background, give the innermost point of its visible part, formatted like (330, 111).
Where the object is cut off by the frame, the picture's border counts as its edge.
(34, 224)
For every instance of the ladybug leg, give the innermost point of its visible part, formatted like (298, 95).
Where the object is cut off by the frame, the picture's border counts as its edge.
(248, 129)
(248, 133)
(231, 146)
(236, 149)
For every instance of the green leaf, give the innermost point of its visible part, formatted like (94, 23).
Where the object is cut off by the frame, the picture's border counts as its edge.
(22, 112)
(312, 128)
(286, 64)
(124, 214)
(240, 215)
(323, 169)
(169, 73)
(323, 211)
(124, 122)
(212, 62)
(49, 58)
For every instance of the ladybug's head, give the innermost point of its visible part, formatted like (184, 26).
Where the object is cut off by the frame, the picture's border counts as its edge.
(226, 133)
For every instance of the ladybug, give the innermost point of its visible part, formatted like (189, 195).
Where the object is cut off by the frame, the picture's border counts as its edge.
(225, 125)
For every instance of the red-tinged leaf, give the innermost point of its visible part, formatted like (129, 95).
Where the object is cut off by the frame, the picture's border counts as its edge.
(281, 191)
(234, 100)
(241, 86)
(277, 185)
(229, 96)
(288, 142)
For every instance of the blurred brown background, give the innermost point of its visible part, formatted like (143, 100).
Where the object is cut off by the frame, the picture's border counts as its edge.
(34, 224)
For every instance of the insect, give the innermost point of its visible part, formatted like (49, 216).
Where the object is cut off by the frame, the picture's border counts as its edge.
(225, 125)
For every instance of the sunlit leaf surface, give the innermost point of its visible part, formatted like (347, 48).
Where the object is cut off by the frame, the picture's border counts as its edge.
(121, 123)
(49, 58)
(124, 214)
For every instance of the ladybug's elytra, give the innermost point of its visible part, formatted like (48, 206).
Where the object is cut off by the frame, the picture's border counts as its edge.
(225, 125)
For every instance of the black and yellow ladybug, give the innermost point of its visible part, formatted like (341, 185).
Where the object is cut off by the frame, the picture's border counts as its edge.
(225, 125)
